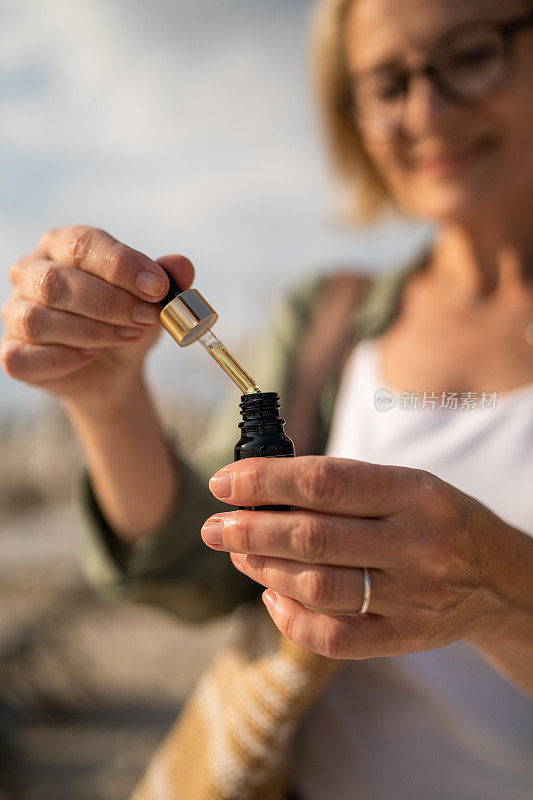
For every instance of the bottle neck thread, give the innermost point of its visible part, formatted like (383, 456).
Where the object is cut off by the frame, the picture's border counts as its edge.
(260, 411)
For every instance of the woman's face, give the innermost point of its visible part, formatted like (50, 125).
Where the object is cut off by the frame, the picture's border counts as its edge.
(443, 160)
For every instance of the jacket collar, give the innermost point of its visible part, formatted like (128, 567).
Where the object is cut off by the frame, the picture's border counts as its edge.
(382, 303)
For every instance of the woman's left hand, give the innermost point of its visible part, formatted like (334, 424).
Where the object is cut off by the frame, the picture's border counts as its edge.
(431, 552)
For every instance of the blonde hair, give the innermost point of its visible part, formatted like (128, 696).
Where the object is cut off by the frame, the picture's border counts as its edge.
(366, 194)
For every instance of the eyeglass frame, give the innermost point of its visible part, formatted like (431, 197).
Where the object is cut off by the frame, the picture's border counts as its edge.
(507, 30)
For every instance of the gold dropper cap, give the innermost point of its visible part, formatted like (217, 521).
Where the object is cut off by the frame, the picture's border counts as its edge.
(188, 316)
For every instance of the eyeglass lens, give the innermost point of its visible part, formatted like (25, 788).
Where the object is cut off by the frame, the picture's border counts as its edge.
(473, 62)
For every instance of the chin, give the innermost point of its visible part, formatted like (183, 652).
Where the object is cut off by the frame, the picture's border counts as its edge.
(450, 203)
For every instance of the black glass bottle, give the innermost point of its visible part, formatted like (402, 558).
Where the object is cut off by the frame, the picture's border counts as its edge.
(263, 433)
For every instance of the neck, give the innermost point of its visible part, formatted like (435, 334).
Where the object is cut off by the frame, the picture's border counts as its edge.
(477, 258)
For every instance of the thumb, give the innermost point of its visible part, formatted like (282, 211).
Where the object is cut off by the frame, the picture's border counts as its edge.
(179, 267)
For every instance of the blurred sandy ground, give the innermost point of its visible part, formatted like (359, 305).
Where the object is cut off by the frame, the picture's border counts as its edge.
(87, 689)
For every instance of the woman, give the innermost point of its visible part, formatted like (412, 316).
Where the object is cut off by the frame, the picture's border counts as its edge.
(421, 550)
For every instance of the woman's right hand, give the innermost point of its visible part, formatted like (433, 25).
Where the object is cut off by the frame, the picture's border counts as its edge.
(82, 315)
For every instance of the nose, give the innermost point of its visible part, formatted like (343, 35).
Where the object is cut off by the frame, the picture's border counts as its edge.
(425, 108)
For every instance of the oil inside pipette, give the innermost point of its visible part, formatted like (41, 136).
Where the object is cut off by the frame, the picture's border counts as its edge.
(229, 363)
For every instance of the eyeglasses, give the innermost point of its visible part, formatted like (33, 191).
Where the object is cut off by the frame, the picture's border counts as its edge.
(468, 64)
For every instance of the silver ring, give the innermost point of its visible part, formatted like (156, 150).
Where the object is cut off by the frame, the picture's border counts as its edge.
(367, 589)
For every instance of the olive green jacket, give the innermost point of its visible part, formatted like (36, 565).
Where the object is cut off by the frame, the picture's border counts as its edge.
(174, 569)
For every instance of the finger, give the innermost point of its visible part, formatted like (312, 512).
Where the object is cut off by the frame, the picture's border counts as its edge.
(66, 288)
(98, 253)
(354, 638)
(318, 483)
(179, 267)
(335, 589)
(34, 362)
(37, 324)
(308, 537)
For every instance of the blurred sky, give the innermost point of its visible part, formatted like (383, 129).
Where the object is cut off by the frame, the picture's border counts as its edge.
(178, 126)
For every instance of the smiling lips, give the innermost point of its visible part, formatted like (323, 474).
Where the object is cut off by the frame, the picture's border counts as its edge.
(450, 161)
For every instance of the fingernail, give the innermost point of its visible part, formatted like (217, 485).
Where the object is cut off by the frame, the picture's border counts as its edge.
(212, 532)
(269, 599)
(238, 559)
(129, 333)
(89, 353)
(151, 284)
(220, 485)
(142, 312)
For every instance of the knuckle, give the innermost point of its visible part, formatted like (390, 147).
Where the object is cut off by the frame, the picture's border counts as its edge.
(310, 540)
(242, 533)
(33, 322)
(424, 484)
(119, 262)
(253, 481)
(318, 586)
(439, 559)
(46, 236)
(103, 304)
(56, 358)
(288, 626)
(79, 240)
(445, 517)
(52, 284)
(258, 565)
(52, 232)
(332, 643)
(14, 271)
(432, 493)
(88, 329)
(320, 481)
(7, 311)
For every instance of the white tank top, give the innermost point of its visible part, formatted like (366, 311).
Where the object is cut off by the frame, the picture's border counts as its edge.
(441, 725)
